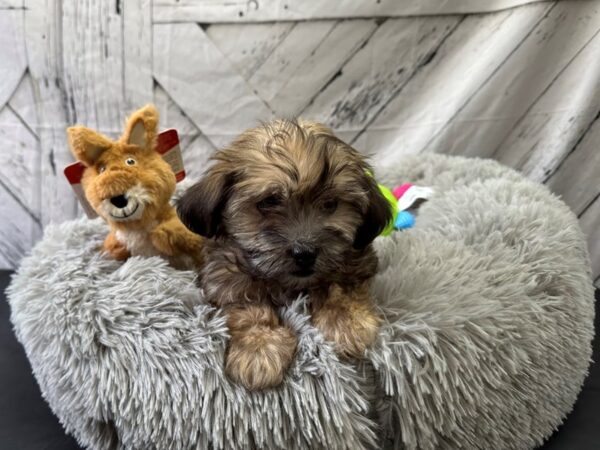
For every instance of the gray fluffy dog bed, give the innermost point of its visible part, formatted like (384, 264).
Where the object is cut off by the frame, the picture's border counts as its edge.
(488, 308)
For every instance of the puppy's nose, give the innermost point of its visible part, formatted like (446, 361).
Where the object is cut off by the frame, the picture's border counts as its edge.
(304, 257)
(120, 201)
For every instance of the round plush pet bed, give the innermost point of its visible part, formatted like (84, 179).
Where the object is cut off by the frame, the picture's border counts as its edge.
(488, 308)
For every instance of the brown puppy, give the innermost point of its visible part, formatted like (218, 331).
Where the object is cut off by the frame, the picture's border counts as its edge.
(291, 210)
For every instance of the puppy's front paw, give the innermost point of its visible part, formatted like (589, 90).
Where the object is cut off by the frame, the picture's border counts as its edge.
(348, 321)
(259, 356)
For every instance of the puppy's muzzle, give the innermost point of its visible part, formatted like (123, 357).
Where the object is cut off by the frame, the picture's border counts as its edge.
(305, 258)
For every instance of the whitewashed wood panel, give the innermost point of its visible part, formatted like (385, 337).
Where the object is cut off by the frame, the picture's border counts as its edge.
(13, 59)
(218, 101)
(11, 4)
(196, 156)
(577, 179)
(377, 72)
(214, 11)
(18, 233)
(434, 95)
(171, 116)
(554, 123)
(247, 49)
(23, 104)
(300, 72)
(196, 149)
(590, 224)
(44, 56)
(20, 225)
(93, 68)
(287, 58)
(520, 84)
(489, 116)
(19, 162)
(137, 52)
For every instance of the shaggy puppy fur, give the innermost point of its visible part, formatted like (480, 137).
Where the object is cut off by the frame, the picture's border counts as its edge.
(130, 186)
(292, 210)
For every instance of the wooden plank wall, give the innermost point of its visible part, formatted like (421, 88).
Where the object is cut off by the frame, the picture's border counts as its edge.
(514, 80)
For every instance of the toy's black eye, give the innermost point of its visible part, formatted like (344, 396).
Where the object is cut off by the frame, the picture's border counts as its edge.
(330, 206)
(270, 202)
(101, 169)
(130, 162)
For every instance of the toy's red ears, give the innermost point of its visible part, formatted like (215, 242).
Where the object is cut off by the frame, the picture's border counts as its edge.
(87, 145)
(141, 128)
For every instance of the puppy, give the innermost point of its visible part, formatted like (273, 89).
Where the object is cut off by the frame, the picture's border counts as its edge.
(291, 210)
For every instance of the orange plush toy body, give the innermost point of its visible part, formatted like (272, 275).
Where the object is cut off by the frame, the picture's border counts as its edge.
(128, 183)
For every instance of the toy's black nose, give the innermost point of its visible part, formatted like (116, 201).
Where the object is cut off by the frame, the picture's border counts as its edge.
(120, 201)
(304, 256)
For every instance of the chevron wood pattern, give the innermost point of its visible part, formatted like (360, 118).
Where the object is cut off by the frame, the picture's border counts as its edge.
(514, 80)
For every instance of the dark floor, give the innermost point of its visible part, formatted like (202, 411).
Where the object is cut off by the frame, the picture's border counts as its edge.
(27, 423)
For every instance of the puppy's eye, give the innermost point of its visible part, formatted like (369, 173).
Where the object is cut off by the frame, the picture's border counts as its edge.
(130, 162)
(270, 202)
(329, 206)
(101, 169)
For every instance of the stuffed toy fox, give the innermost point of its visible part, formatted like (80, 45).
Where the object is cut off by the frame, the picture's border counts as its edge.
(128, 183)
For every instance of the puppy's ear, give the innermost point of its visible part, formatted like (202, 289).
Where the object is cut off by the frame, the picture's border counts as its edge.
(87, 145)
(201, 206)
(375, 219)
(141, 128)
(313, 127)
